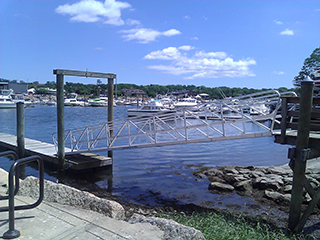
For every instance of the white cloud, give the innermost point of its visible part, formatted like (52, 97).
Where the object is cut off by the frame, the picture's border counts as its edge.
(146, 35)
(201, 64)
(278, 73)
(133, 22)
(187, 17)
(169, 53)
(171, 32)
(202, 54)
(287, 32)
(186, 48)
(194, 38)
(108, 12)
(278, 22)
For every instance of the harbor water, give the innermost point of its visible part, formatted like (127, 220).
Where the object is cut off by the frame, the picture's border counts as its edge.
(147, 176)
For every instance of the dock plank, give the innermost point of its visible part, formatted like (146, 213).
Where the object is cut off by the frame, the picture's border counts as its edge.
(78, 162)
(291, 138)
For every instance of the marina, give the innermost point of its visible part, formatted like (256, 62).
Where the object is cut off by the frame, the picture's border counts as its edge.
(185, 126)
(140, 173)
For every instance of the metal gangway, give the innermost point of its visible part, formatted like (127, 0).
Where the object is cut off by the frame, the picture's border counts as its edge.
(249, 116)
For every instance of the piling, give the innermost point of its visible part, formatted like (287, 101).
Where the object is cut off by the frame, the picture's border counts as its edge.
(60, 121)
(299, 166)
(110, 110)
(20, 130)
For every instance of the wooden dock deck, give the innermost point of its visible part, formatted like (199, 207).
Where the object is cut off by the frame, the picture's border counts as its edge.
(47, 151)
(291, 138)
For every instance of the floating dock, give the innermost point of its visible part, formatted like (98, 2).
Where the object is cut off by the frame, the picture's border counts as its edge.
(47, 151)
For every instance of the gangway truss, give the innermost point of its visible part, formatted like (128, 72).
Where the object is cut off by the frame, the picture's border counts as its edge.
(241, 117)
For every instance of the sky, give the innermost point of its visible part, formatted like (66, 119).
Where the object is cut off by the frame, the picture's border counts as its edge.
(233, 43)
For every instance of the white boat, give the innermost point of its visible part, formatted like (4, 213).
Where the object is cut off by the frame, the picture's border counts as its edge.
(189, 103)
(258, 109)
(72, 100)
(6, 101)
(152, 107)
(51, 103)
(97, 102)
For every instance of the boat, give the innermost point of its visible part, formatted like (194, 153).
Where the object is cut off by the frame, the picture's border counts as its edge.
(152, 107)
(98, 102)
(189, 103)
(71, 100)
(258, 109)
(6, 101)
(51, 103)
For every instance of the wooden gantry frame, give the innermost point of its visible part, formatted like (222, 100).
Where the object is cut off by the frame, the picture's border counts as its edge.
(60, 73)
(304, 134)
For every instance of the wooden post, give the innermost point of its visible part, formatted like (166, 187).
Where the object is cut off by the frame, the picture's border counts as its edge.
(110, 109)
(299, 162)
(60, 121)
(20, 130)
(284, 113)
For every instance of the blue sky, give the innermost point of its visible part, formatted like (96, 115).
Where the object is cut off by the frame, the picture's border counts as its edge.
(254, 44)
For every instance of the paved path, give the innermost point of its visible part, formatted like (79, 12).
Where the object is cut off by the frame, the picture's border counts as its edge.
(56, 221)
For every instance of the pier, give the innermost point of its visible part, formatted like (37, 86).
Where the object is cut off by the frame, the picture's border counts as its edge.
(48, 152)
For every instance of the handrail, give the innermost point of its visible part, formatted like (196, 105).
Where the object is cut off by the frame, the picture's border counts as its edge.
(15, 157)
(12, 233)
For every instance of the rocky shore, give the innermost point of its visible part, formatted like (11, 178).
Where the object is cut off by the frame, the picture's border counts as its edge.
(269, 187)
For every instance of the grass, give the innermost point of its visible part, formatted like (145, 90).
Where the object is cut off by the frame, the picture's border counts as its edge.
(218, 226)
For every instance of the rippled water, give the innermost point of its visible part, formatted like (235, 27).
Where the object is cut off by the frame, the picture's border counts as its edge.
(149, 176)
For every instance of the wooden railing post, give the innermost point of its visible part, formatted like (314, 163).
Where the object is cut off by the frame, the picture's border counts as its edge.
(284, 113)
(110, 110)
(302, 143)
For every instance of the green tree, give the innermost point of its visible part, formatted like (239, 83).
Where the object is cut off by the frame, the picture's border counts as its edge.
(308, 67)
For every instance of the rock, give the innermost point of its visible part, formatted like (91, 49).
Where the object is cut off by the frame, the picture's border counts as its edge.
(221, 187)
(281, 170)
(230, 178)
(216, 179)
(287, 188)
(172, 229)
(59, 193)
(264, 183)
(213, 172)
(240, 178)
(243, 185)
(307, 198)
(199, 175)
(244, 171)
(278, 197)
(230, 169)
(287, 180)
(314, 183)
(256, 174)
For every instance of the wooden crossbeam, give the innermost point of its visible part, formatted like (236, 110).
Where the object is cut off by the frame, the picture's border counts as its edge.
(84, 73)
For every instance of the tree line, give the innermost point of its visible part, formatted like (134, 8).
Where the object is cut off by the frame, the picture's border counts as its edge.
(152, 90)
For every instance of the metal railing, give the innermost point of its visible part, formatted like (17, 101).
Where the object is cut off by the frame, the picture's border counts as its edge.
(208, 123)
(12, 232)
